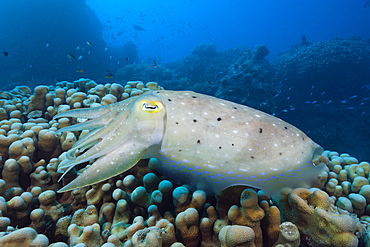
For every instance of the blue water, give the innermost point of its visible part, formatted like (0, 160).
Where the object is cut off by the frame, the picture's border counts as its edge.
(173, 28)
(155, 40)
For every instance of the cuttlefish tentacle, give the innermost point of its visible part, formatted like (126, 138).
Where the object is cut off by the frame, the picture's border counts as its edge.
(71, 154)
(106, 144)
(98, 120)
(92, 124)
(107, 166)
(94, 112)
(92, 153)
(85, 137)
(121, 144)
(103, 134)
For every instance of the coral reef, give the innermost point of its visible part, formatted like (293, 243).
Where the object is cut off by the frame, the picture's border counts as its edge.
(251, 77)
(333, 61)
(142, 208)
(204, 67)
(317, 218)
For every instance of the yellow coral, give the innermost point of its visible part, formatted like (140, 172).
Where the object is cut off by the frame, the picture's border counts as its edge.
(318, 219)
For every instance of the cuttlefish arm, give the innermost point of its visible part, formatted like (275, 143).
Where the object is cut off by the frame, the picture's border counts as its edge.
(100, 116)
(122, 143)
(94, 112)
(100, 119)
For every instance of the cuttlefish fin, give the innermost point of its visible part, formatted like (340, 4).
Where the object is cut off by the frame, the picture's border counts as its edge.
(105, 167)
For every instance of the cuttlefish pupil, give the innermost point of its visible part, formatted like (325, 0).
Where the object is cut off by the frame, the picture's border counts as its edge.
(205, 142)
(151, 107)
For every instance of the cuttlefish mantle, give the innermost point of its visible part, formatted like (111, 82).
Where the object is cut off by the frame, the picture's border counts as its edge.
(205, 142)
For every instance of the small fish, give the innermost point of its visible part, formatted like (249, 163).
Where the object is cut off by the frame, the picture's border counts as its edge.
(344, 101)
(108, 75)
(106, 48)
(80, 70)
(210, 83)
(276, 95)
(89, 43)
(366, 4)
(110, 57)
(287, 98)
(138, 28)
(79, 58)
(312, 86)
(6, 54)
(117, 62)
(350, 108)
(327, 102)
(285, 110)
(361, 103)
(314, 102)
(365, 98)
(88, 52)
(47, 45)
(316, 105)
(307, 102)
(154, 65)
(33, 78)
(77, 48)
(71, 56)
(30, 66)
(292, 108)
(128, 59)
(363, 113)
(220, 72)
(322, 93)
(352, 97)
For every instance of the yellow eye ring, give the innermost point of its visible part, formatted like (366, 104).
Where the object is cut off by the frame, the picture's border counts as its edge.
(151, 107)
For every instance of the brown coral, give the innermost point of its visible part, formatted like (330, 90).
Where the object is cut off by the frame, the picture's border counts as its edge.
(249, 214)
(24, 237)
(187, 224)
(232, 236)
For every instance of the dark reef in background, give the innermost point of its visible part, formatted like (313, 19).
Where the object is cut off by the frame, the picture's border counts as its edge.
(328, 83)
(248, 80)
(334, 62)
(204, 67)
(28, 26)
(145, 72)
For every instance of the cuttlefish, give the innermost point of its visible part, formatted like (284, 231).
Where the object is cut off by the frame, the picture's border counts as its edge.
(205, 142)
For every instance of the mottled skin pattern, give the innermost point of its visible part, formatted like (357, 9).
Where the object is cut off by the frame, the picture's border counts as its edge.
(205, 142)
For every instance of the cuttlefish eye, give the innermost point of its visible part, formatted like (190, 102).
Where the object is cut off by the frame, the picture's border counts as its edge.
(151, 107)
